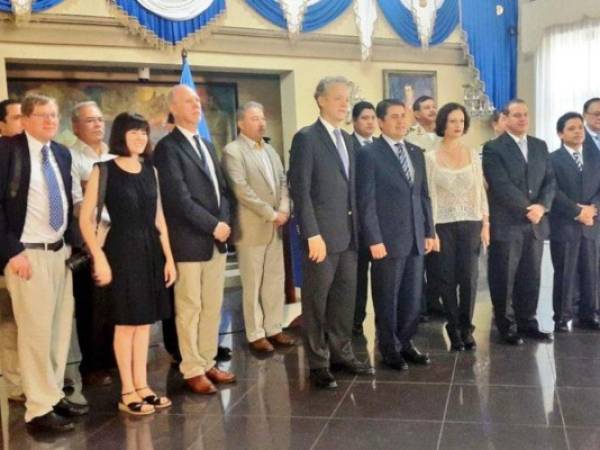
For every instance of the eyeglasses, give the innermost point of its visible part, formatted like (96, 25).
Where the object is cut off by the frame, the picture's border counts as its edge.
(594, 114)
(46, 116)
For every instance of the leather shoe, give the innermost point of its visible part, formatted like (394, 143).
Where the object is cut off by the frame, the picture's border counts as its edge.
(414, 356)
(282, 339)
(535, 333)
(589, 324)
(562, 326)
(51, 422)
(223, 354)
(97, 378)
(218, 376)
(261, 346)
(67, 408)
(354, 367)
(511, 338)
(201, 385)
(397, 363)
(322, 379)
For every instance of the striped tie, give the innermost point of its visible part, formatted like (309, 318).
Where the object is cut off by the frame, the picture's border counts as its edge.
(578, 161)
(403, 157)
(54, 197)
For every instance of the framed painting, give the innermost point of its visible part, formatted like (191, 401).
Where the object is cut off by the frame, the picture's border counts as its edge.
(407, 86)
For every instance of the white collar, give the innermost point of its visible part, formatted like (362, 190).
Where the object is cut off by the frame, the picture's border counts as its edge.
(35, 145)
(572, 150)
(517, 139)
(593, 133)
(252, 143)
(187, 133)
(392, 142)
(330, 128)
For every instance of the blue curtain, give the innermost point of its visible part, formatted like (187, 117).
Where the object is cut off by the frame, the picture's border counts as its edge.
(492, 42)
(316, 16)
(401, 20)
(37, 6)
(170, 31)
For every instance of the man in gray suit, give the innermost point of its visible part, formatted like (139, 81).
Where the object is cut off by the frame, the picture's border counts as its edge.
(256, 177)
(322, 183)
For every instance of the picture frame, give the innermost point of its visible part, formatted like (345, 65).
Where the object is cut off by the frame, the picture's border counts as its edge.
(408, 85)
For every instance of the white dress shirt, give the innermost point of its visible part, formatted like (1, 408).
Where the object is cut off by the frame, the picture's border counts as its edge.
(392, 143)
(363, 140)
(521, 143)
(572, 151)
(331, 131)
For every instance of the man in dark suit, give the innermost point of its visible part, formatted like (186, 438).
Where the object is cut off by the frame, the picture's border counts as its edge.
(575, 231)
(591, 114)
(35, 214)
(518, 170)
(197, 211)
(364, 123)
(322, 186)
(396, 219)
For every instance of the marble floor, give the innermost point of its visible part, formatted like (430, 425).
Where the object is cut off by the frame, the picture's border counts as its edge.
(537, 396)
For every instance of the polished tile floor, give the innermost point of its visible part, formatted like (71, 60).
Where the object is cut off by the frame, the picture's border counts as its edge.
(538, 396)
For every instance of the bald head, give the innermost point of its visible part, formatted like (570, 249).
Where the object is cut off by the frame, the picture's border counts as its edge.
(185, 106)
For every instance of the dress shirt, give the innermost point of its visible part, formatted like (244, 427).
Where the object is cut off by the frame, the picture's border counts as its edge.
(363, 140)
(330, 130)
(392, 143)
(521, 143)
(37, 227)
(261, 152)
(572, 152)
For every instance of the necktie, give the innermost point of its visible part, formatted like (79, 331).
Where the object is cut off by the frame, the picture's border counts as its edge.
(368, 141)
(403, 157)
(54, 198)
(200, 154)
(578, 161)
(339, 144)
(523, 147)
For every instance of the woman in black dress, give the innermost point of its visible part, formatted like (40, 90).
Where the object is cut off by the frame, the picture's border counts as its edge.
(136, 262)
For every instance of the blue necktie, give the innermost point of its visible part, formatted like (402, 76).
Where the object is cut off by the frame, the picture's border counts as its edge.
(403, 157)
(339, 144)
(200, 154)
(54, 197)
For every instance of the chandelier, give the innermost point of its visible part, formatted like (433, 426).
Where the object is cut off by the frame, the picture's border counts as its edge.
(476, 101)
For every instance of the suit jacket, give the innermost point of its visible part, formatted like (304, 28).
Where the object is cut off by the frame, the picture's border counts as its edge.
(391, 211)
(589, 142)
(189, 201)
(15, 163)
(324, 197)
(573, 187)
(257, 201)
(514, 184)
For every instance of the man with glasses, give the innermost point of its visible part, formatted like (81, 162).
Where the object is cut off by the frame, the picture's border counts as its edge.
(591, 114)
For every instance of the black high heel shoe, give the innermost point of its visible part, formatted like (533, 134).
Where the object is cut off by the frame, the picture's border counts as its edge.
(155, 400)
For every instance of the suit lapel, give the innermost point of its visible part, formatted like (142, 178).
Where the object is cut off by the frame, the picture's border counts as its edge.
(253, 155)
(187, 148)
(512, 147)
(392, 159)
(326, 139)
(62, 164)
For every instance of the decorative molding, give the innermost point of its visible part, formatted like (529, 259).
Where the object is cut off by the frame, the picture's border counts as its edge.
(21, 10)
(365, 15)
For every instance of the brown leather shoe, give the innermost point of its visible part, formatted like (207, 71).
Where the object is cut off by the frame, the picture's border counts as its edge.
(282, 339)
(97, 378)
(201, 385)
(220, 376)
(261, 345)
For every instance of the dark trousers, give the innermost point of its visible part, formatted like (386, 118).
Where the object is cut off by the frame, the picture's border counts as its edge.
(170, 331)
(397, 288)
(95, 329)
(328, 298)
(432, 286)
(514, 275)
(458, 269)
(362, 284)
(575, 268)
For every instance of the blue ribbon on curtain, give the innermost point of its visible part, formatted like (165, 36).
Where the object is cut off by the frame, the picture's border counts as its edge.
(37, 6)
(402, 21)
(492, 42)
(171, 31)
(316, 16)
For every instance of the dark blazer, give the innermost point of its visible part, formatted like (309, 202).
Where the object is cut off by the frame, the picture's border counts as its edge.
(188, 198)
(391, 211)
(573, 187)
(514, 184)
(14, 152)
(324, 197)
(589, 142)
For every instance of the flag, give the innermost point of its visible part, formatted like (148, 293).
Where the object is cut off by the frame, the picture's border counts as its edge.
(188, 80)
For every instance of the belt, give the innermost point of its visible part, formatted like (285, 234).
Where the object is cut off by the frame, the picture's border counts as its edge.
(54, 246)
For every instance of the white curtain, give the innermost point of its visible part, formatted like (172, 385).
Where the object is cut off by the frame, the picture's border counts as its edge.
(567, 74)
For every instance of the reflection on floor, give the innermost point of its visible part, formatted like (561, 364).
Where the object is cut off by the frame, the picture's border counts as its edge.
(538, 396)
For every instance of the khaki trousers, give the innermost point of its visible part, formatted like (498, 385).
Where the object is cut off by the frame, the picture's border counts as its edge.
(43, 307)
(263, 281)
(9, 358)
(198, 300)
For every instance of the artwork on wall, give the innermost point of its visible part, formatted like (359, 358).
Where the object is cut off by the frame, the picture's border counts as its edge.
(407, 86)
(219, 103)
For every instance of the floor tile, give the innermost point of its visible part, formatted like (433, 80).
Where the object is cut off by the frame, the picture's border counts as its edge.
(580, 406)
(583, 438)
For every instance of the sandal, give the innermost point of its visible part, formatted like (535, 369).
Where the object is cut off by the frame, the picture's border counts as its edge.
(155, 400)
(135, 408)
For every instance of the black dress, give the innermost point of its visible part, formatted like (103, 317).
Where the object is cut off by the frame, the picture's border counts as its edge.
(137, 293)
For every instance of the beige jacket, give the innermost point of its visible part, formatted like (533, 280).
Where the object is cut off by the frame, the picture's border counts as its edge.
(419, 137)
(257, 202)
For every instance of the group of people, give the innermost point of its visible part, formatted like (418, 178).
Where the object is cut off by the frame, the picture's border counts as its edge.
(416, 204)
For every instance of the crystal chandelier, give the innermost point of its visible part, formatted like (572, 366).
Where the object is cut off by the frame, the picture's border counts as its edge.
(476, 101)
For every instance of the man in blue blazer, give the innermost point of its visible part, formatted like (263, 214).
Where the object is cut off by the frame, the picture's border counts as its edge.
(397, 225)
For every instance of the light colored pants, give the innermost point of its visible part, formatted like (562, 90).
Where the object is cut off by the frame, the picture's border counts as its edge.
(198, 300)
(263, 281)
(43, 307)
(9, 358)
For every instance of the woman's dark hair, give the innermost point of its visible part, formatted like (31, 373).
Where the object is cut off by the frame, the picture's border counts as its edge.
(441, 121)
(123, 123)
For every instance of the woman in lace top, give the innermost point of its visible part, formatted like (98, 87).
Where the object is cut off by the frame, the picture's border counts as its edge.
(460, 213)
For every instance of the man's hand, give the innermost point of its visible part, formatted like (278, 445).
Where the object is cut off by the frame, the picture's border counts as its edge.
(437, 244)
(281, 219)
(587, 214)
(222, 232)
(20, 266)
(317, 250)
(535, 213)
(429, 245)
(378, 251)
(485, 235)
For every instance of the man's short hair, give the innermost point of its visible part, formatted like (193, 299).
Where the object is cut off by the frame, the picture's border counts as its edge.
(514, 101)
(79, 106)
(324, 84)
(360, 107)
(590, 102)
(495, 117)
(561, 123)
(418, 102)
(241, 112)
(32, 100)
(384, 105)
(4, 104)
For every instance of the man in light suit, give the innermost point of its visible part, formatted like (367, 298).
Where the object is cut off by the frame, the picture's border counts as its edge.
(591, 114)
(256, 177)
(322, 183)
(196, 205)
(396, 218)
(521, 183)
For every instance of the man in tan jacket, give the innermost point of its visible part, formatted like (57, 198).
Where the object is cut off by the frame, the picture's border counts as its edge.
(257, 179)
